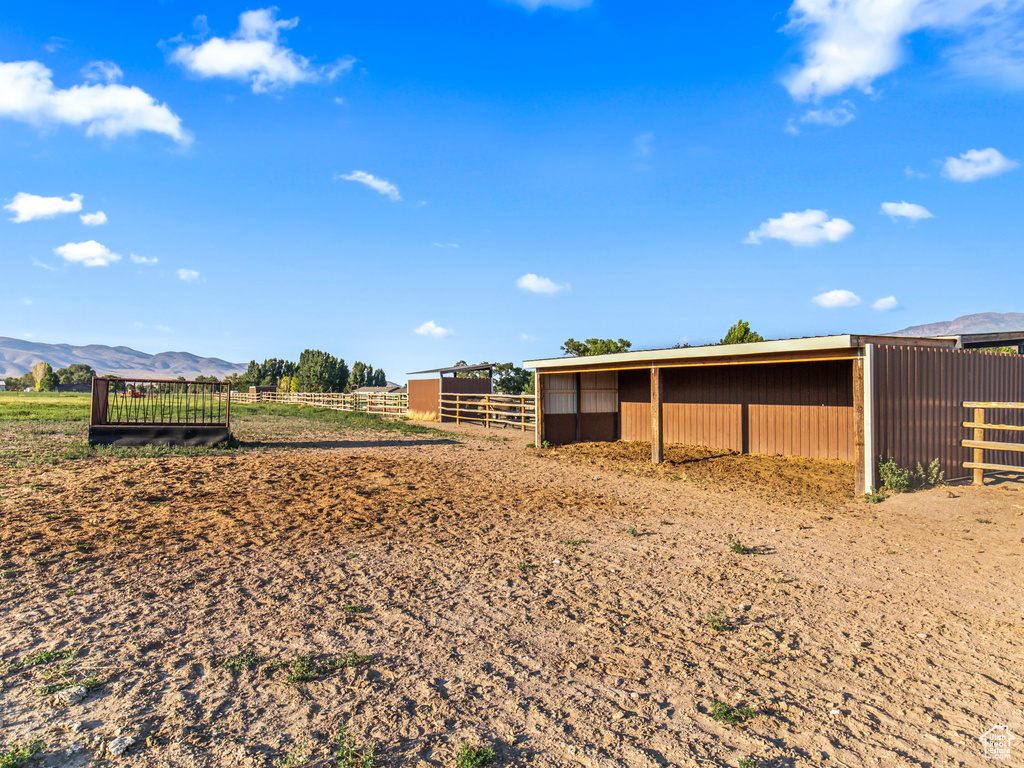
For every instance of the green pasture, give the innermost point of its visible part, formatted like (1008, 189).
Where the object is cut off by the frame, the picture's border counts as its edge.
(51, 427)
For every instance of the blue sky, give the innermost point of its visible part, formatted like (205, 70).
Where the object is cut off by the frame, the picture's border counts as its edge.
(410, 184)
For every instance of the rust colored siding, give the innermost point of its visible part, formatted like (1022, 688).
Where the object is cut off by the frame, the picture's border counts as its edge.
(465, 386)
(560, 428)
(635, 405)
(423, 395)
(792, 409)
(918, 395)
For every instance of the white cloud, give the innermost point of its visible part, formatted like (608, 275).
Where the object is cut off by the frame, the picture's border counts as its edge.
(810, 227)
(977, 164)
(380, 185)
(102, 71)
(27, 207)
(886, 304)
(446, 245)
(850, 43)
(188, 275)
(905, 210)
(162, 328)
(642, 144)
(143, 259)
(43, 265)
(26, 302)
(837, 298)
(910, 173)
(90, 253)
(27, 94)
(836, 117)
(255, 53)
(527, 337)
(567, 5)
(94, 219)
(430, 328)
(536, 284)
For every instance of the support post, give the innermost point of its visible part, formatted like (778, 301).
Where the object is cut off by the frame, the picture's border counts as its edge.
(870, 460)
(657, 432)
(859, 464)
(538, 413)
(579, 407)
(979, 453)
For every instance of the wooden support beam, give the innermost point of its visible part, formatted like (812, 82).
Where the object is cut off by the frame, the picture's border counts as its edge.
(657, 430)
(579, 406)
(860, 473)
(538, 424)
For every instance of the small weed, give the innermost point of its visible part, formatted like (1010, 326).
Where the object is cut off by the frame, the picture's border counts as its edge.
(531, 445)
(779, 580)
(899, 480)
(545, 444)
(631, 531)
(45, 657)
(525, 567)
(471, 756)
(724, 713)
(874, 497)
(239, 661)
(737, 546)
(90, 681)
(353, 609)
(349, 755)
(352, 554)
(70, 592)
(298, 756)
(302, 668)
(350, 659)
(747, 762)
(675, 477)
(16, 755)
(667, 522)
(81, 546)
(55, 516)
(717, 620)
(984, 520)
(576, 542)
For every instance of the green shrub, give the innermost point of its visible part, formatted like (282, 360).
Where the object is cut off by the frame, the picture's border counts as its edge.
(892, 477)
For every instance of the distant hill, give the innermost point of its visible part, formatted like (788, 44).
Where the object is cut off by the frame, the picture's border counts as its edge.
(984, 322)
(17, 358)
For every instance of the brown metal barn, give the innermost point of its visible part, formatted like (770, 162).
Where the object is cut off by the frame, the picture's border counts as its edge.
(856, 398)
(425, 394)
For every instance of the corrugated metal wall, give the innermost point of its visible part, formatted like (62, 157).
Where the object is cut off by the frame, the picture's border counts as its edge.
(423, 395)
(918, 395)
(794, 409)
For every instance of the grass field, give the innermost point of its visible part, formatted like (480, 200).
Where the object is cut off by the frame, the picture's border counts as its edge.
(47, 428)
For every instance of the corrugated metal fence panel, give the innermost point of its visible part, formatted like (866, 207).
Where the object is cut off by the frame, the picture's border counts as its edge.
(918, 396)
(465, 385)
(560, 393)
(423, 395)
(635, 405)
(599, 392)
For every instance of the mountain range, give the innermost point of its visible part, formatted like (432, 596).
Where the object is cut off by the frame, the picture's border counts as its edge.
(983, 322)
(18, 356)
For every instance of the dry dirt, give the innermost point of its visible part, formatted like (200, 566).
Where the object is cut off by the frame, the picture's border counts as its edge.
(507, 603)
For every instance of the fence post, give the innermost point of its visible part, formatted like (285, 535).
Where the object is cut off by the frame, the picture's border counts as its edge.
(979, 453)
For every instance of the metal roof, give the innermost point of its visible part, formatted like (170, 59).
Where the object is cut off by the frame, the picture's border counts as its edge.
(456, 369)
(806, 344)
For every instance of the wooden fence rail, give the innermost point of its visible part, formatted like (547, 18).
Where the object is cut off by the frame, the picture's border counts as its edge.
(980, 444)
(489, 410)
(380, 403)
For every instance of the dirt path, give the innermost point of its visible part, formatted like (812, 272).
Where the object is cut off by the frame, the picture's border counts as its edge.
(506, 603)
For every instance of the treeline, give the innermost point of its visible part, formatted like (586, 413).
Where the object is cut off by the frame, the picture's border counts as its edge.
(316, 371)
(42, 378)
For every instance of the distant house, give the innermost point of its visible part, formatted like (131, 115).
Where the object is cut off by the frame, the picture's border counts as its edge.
(390, 389)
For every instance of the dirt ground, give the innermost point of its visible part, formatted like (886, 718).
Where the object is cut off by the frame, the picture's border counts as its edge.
(553, 605)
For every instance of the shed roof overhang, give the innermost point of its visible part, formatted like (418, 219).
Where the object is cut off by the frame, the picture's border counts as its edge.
(815, 348)
(453, 369)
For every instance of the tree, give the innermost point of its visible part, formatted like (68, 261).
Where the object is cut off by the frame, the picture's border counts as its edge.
(594, 347)
(39, 370)
(48, 383)
(379, 378)
(321, 372)
(512, 380)
(357, 377)
(741, 334)
(76, 373)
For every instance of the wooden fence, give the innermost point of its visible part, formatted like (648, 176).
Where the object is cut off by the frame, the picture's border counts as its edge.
(380, 403)
(980, 444)
(489, 410)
